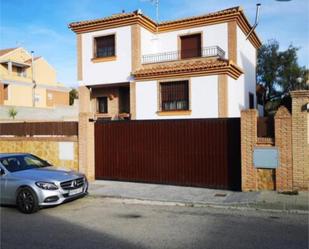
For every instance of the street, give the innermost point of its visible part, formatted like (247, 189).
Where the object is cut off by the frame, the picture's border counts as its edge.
(99, 223)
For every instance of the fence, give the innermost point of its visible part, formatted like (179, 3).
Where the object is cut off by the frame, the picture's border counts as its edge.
(196, 152)
(39, 129)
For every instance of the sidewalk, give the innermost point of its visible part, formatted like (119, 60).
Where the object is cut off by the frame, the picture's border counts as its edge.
(177, 195)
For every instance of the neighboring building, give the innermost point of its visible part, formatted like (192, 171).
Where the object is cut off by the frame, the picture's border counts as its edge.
(16, 82)
(197, 67)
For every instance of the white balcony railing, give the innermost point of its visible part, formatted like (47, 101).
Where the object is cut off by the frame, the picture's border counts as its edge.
(214, 51)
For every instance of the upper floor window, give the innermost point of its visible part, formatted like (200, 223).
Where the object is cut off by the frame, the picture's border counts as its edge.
(104, 46)
(174, 95)
(191, 46)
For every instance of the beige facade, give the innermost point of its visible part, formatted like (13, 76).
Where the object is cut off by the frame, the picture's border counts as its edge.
(24, 83)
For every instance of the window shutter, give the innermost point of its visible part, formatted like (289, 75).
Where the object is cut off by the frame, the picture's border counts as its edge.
(190, 46)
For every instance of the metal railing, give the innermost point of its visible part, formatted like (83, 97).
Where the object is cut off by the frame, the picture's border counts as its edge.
(183, 54)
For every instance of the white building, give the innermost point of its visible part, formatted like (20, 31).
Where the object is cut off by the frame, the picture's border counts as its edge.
(198, 67)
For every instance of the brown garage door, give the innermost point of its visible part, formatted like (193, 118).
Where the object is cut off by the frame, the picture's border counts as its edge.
(198, 152)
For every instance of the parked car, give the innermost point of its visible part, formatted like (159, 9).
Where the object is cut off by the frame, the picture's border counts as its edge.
(30, 183)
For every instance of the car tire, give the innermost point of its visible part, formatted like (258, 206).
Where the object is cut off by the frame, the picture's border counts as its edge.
(27, 201)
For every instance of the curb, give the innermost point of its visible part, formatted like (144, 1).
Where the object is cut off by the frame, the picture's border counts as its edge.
(236, 206)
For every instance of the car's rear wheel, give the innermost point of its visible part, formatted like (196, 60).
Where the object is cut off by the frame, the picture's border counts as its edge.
(27, 201)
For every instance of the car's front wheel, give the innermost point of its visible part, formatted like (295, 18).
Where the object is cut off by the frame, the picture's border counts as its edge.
(27, 201)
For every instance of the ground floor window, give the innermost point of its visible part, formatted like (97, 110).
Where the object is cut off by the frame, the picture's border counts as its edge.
(174, 95)
(102, 105)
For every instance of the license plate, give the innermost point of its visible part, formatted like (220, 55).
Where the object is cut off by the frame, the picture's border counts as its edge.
(75, 191)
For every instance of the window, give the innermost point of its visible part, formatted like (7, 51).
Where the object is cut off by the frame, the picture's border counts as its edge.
(102, 105)
(21, 72)
(190, 46)
(6, 92)
(251, 100)
(174, 95)
(37, 98)
(104, 46)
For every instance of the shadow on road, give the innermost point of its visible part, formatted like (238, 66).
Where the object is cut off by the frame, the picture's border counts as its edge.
(47, 232)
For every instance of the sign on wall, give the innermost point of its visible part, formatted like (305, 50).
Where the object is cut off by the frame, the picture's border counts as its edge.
(267, 158)
(66, 150)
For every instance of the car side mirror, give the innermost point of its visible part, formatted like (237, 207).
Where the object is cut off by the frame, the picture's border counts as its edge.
(2, 172)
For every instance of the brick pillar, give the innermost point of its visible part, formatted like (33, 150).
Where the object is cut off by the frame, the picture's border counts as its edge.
(1, 94)
(248, 140)
(86, 134)
(300, 140)
(283, 141)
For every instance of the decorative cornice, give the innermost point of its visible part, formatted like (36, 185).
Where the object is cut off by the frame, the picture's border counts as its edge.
(188, 68)
(127, 19)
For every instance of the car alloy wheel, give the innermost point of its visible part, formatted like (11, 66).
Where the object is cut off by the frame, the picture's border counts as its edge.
(27, 201)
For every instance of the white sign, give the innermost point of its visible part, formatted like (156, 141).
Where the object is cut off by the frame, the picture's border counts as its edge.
(66, 150)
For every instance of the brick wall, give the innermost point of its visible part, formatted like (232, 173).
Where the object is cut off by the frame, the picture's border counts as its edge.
(86, 134)
(300, 140)
(291, 139)
(283, 141)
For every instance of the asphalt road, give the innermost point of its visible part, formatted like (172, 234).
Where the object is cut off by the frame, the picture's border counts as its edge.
(97, 223)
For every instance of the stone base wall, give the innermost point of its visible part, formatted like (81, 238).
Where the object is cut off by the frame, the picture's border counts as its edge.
(46, 148)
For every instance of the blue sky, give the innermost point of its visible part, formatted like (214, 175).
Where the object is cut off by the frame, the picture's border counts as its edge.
(41, 25)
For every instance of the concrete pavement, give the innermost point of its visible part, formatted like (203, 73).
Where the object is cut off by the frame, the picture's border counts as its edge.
(191, 196)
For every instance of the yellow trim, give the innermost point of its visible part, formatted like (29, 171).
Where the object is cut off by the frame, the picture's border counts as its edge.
(231, 70)
(103, 59)
(174, 113)
(79, 57)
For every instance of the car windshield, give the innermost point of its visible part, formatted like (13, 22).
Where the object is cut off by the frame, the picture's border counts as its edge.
(22, 162)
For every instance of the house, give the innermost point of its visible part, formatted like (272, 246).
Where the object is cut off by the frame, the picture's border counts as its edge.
(195, 67)
(24, 82)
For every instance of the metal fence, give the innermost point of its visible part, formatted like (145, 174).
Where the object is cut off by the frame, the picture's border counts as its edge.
(196, 152)
(39, 129)
(176, 55)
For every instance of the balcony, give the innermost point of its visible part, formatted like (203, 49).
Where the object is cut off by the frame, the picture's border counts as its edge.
(214, 51)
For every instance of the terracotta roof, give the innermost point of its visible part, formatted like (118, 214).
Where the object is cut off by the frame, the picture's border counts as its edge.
(127, 19)
(135, 13)
(94, 21)
(212, 14)
(35, 58)
(193, 66)
(5, 51)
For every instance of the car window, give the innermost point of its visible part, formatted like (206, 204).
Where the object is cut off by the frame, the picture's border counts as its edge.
(22, 162)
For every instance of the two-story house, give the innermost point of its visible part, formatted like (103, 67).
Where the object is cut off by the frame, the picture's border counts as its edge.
(27, 81)
(196, 67)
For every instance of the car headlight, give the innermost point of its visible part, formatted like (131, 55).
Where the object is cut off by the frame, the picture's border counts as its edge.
(46, 185)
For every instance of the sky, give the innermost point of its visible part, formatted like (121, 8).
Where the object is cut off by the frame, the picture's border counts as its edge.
(42, 25)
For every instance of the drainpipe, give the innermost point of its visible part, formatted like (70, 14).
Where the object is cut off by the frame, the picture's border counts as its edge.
(33, 81)
(258, 5)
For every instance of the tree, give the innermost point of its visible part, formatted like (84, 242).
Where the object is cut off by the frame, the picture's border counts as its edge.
(73, 95)
(279, 73)
(12, 113)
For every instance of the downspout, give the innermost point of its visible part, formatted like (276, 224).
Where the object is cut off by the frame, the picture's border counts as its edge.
(258, 5)
(33, 81)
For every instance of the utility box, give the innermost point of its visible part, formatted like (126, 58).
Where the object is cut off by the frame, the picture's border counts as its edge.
(266, 158)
